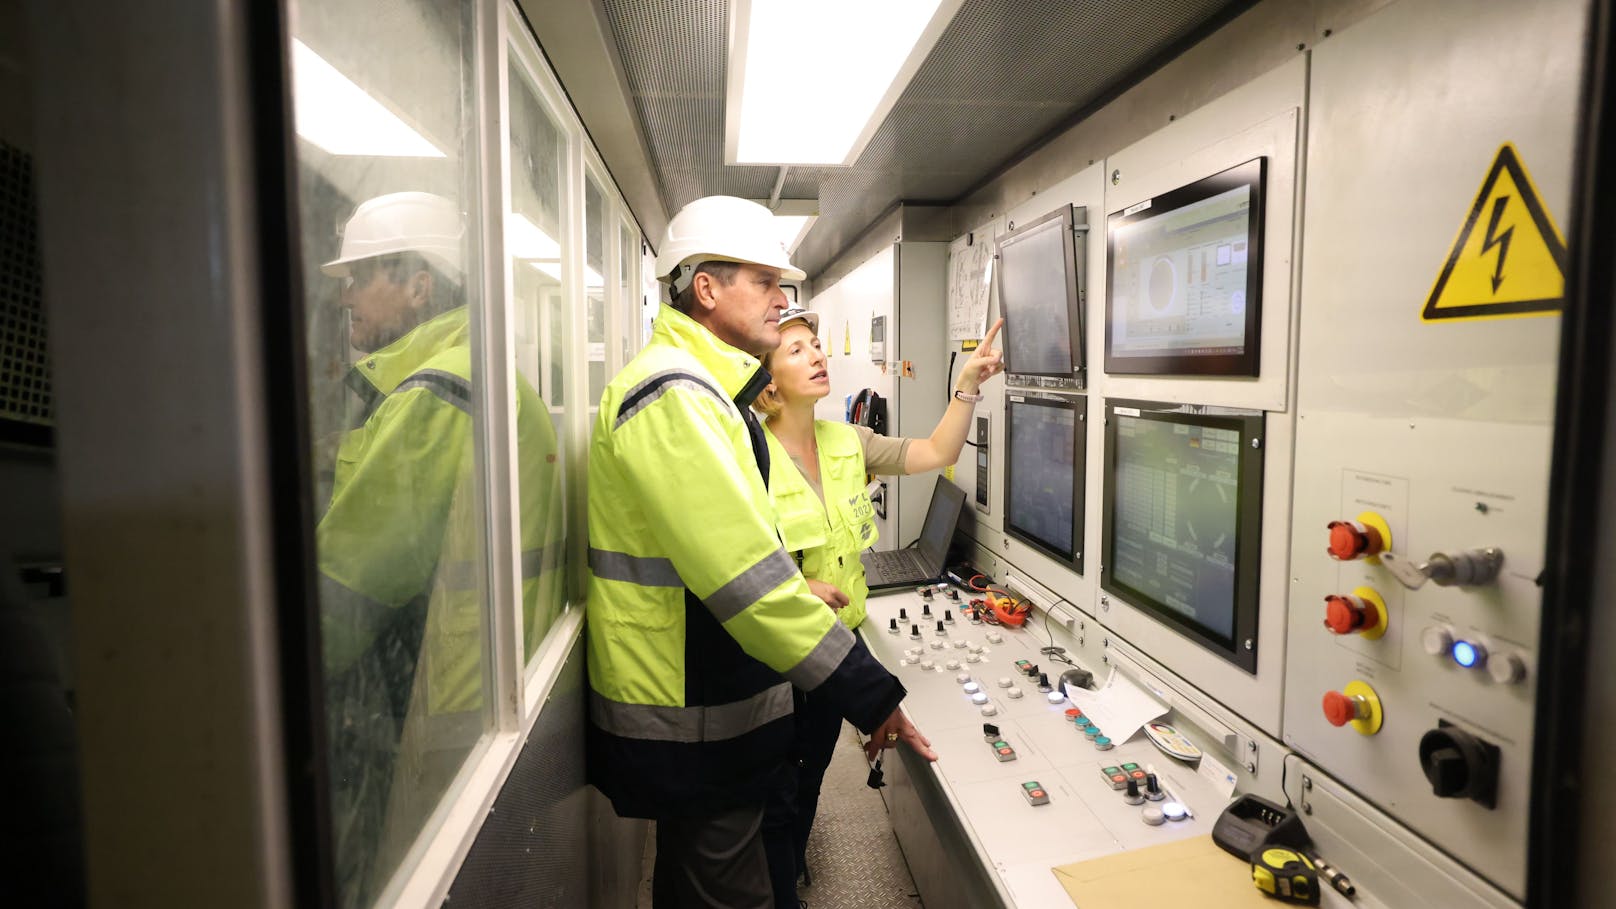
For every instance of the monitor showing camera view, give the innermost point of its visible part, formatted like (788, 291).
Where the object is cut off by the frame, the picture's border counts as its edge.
(1184, 279)
(1183, 513)
(1044, 470)
(1039, 275)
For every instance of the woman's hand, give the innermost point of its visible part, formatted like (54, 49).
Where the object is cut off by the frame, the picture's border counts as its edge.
(984, 364)
(833, 597)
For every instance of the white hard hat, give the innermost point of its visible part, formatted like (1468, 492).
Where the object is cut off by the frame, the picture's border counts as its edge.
(402, 222)
(798, 314)
(721, 229)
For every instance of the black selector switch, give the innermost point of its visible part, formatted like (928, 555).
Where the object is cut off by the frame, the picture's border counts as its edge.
(1152, 788)
(940, 628)
(925, 593)
(1032, 671)
(892, 625)
(1043, 682)
(925, 610)
(953, 594)
(914, 632)
(990, 732)
(1459, 765)
(903, 613)
(948, 616)
(1133, 796)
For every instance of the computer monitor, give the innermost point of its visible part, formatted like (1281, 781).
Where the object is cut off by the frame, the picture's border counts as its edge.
(1184, 279)
(1039, 274)
(1183, 519)
(1044, 469)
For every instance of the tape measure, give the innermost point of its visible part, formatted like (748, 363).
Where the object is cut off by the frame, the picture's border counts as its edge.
(1285, 874)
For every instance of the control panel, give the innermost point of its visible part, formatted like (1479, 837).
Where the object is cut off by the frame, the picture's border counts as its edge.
(1035, 778)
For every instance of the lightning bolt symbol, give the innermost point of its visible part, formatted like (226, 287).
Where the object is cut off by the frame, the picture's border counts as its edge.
(1500, 240)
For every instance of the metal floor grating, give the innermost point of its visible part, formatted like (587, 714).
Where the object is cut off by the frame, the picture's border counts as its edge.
(853, 855)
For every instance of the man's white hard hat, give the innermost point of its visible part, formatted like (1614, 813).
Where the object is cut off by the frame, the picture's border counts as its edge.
(402, 222)
(721, 229)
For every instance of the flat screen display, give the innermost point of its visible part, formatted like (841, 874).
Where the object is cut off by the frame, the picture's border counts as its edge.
(1038, 275)
(1184, 279)
(1044, 473)
(1183, 504)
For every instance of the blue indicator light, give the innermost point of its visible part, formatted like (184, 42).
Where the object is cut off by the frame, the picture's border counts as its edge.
(1464, 653)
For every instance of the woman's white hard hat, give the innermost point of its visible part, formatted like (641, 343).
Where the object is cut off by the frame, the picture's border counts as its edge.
(798, 314)
(402, 222)
(721, 229)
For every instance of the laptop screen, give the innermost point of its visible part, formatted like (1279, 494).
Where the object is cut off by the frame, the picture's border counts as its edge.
(941, 520)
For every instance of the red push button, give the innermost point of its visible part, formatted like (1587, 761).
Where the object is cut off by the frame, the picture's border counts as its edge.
(1344, 615)
(1038, 793)
(1339, 709)
(1351, 540)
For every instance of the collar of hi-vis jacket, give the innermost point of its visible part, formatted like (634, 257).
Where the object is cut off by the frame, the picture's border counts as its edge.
(740, 375)
(386, 368)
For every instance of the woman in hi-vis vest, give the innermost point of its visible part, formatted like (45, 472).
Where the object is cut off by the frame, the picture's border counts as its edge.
(826, 520)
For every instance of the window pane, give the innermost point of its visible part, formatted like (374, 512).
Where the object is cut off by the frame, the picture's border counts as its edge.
(595, 234)
(387, 177)
(534, 240)
(628, 297)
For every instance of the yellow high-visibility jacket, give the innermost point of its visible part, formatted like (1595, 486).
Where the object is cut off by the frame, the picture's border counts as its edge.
(698, 620)
(828, 534)
(403, 529)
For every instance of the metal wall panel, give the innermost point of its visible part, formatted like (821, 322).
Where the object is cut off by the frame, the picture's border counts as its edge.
(551, 840)
(1441, 427)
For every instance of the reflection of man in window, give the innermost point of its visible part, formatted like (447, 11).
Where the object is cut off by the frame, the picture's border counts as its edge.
(400, 549)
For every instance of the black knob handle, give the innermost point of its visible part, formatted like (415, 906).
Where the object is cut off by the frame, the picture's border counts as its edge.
(939, 626)
(925, 593)
(903, 613)
(1133, 788)
(893, 624)
(1151, 785)
(1043, 680)
(1459, 765)
(925, 609)
(914, 630)
(948, 615)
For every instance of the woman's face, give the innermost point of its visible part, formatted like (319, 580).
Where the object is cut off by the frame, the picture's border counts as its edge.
(798, 365)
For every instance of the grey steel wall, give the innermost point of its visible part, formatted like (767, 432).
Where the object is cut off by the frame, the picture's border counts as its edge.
(551, 840)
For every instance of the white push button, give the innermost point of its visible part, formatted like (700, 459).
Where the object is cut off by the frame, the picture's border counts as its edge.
(1014, 692)
(1004, 681)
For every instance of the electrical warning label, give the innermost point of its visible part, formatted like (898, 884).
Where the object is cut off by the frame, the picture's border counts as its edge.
(1509, 258)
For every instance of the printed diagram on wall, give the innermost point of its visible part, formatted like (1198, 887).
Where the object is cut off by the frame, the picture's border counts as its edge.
(970, 277)
(1509, 258)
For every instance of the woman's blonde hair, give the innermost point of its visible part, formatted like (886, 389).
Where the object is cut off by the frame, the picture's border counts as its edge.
(768, 402)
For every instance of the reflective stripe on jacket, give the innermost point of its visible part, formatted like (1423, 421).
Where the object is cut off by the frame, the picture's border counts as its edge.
(831, 533)
(697, 615)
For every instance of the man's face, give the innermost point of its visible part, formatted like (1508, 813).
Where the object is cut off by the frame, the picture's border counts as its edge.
(381, 309)
(746, 313)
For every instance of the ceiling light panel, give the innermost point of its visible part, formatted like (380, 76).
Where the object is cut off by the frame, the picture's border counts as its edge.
(341, 118)
(810, 82)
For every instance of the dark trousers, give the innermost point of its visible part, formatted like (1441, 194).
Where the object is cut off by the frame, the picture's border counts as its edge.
(789, 815)
(712, 861)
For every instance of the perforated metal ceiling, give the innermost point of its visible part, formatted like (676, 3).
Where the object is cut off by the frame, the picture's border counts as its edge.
(1004, 75)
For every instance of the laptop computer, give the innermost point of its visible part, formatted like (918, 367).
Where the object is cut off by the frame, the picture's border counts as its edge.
(923, 563)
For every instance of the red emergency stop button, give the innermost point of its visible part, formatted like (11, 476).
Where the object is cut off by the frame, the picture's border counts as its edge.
(1353, 540)
(1339, 709)
(1345, 614)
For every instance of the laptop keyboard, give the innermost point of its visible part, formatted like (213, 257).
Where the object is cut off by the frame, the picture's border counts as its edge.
(894, 564)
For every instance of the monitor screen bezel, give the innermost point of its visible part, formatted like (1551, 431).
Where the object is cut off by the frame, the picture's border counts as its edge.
(1248, 525)
(1252, 174)
(1078, 404)
(1066, 216)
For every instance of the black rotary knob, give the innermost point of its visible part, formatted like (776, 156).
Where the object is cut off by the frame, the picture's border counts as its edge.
(1459, 765)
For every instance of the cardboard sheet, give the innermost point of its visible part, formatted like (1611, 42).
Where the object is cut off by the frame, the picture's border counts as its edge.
(1187, 872)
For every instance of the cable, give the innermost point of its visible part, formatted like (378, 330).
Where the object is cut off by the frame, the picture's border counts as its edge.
(1055, 654)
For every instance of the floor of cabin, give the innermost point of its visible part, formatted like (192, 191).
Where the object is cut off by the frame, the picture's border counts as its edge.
(853, 855)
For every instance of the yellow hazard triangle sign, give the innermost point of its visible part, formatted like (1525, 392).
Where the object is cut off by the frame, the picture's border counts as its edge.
(1509, 259)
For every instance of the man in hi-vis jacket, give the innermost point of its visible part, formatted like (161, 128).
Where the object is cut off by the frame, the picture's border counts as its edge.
(699, 622)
